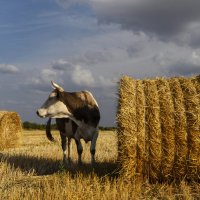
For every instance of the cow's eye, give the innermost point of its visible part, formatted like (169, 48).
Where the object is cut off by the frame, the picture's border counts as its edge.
(58, 95)
(53, 96)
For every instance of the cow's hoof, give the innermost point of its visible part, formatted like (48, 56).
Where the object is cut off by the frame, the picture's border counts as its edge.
(93, 164)
(69, 162)
(66, 162)
(80, 164)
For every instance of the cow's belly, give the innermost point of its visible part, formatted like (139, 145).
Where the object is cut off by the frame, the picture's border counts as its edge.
(69, 129)
(85, 133)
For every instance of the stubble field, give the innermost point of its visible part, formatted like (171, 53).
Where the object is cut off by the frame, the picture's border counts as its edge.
(35, 171)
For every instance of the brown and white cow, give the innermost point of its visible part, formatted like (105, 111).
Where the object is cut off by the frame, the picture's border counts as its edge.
(77, 116)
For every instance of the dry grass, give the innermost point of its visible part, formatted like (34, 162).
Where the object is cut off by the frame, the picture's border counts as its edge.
(10, 129)
(34, 171)
(159, 128)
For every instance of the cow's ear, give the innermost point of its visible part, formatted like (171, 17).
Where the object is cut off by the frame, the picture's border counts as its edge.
(57, 87)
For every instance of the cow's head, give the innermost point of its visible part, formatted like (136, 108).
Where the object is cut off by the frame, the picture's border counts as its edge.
(53, 107)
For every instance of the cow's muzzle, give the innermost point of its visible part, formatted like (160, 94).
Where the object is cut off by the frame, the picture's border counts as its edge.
(40, 114)
(37, 113)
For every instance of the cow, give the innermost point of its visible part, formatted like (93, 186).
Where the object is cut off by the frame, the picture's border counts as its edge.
(77, 116)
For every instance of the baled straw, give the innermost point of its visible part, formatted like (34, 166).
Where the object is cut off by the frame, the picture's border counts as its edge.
(192, 114)
(10, 129)
(197, 85)
(180, 157)
(153, 130)
(127, 134)
(158, 128)
(142, 157)
(196, 82)
(167, 127)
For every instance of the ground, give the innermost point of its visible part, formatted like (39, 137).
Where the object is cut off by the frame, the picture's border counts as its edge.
(35, 171)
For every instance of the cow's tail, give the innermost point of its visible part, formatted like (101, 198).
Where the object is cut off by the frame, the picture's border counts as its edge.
(48, 131)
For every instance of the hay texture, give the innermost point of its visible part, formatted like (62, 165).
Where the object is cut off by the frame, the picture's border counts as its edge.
(159, 128)
(10, 130)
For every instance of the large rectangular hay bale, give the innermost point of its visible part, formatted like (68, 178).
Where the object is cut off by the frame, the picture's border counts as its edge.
(159, 128)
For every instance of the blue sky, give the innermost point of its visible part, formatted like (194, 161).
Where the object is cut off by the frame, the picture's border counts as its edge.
(89, 44)
(27, 27)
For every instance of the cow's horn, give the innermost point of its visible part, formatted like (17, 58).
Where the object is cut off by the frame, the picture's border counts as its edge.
(56, 86)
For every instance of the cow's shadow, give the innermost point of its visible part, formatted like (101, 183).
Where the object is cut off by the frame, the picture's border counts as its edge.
(45, 166)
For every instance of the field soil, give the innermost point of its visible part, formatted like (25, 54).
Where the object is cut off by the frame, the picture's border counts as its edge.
(35, 171)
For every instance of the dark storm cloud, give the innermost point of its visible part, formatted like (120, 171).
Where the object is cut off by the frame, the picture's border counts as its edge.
(184, 69)
(194, 36)
(163, 18)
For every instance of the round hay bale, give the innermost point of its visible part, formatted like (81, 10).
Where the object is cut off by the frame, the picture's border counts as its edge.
(142, 157)
(10, 129)
(192, 113)
(196, 82)
(159, 128)
(127, 136)
(167, 127)
(153, 130)
(180, 157)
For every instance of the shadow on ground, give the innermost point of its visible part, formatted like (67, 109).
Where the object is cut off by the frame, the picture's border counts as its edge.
(41, 166)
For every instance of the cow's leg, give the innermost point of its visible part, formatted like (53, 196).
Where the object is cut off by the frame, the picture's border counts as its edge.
(63, 144)
(93, 146)
(68, 146)
(79, 150)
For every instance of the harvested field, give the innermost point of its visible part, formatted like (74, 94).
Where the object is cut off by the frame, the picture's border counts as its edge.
(166, 112)
(35, 171)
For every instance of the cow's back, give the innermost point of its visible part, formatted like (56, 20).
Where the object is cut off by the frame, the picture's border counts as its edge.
(83, 106)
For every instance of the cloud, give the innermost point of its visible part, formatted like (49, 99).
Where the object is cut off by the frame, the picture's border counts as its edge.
(61, 65)
(47, 75)
(94, 57)
(81, 76)
(8, 69)
(106, 82)
(84, 77)
(161, 18)
(42, 81)
(68, 3)
(72, 75)
(185, 63)
(185, 69)
(191, 35)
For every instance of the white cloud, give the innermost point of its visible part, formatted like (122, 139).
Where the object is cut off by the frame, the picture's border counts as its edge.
(82, 76)
(42, 80)
(196, 57)
(68, 3)
(8, 69)
(47, 75)
(106, 82)
(61, 65)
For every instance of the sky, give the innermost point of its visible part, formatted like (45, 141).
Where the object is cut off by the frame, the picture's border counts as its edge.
(89, 45)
